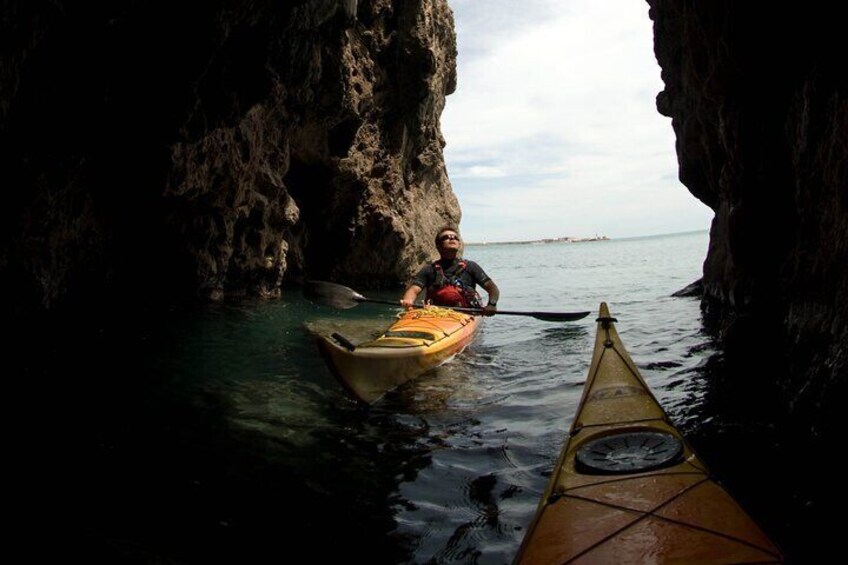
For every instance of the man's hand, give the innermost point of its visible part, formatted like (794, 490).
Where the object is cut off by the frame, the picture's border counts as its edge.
(490, 310)
(409, 296)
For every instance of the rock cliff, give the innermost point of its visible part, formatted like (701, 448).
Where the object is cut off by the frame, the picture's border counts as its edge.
(221, 147)
(759, 106)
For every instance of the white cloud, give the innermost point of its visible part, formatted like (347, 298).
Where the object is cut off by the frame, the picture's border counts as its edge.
(482, 171)
(553, 128)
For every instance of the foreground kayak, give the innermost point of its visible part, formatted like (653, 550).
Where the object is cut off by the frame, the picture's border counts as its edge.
(416, 342)
(627, 487)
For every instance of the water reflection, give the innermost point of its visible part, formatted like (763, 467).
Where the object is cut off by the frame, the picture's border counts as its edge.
(202, 450)
(564, 335)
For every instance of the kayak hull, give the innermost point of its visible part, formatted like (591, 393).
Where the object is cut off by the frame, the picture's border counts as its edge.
(628, 488)
(418, 341)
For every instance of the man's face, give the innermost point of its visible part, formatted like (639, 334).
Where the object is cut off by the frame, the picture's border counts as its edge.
(449, 240)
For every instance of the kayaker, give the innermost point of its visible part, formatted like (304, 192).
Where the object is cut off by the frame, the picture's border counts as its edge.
(451, 280)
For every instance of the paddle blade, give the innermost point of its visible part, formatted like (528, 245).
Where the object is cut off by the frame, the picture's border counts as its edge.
(559, 316)
(331, 294)
(546, 316)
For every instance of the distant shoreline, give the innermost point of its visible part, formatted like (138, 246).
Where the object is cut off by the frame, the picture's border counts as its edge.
(545, 240)
(582, 239)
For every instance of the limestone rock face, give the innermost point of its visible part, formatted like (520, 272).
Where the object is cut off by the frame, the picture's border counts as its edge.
(759, 104)
(220, 148)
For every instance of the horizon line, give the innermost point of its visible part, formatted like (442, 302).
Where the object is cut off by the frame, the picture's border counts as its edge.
(576, 239)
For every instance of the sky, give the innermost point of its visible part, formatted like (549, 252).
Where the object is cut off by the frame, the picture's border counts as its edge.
(553, 129)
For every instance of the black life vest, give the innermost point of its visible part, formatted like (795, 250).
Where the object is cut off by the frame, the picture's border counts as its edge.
(451, 291)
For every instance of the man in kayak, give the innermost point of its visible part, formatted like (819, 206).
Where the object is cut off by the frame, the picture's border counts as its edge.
(451, 280)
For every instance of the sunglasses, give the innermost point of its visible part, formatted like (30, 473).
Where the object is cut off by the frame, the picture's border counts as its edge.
(448, 236)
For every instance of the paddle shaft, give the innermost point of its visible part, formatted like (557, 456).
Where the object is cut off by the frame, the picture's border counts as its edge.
(549, 316)
(338, 296)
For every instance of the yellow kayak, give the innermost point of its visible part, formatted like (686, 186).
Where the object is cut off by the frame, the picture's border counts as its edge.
(416, 342)
(628, 488)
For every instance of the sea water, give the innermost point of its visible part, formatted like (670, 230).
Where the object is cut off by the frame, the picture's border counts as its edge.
(218, 435)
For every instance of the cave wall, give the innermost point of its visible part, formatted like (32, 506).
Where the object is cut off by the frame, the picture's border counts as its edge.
(758, 103)
(219, 148)
(227, 147)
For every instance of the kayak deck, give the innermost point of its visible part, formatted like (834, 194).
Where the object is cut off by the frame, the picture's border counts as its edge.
(628, 488)
(416, 342)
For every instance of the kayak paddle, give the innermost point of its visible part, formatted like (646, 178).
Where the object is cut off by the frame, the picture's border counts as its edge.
(338, 296)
